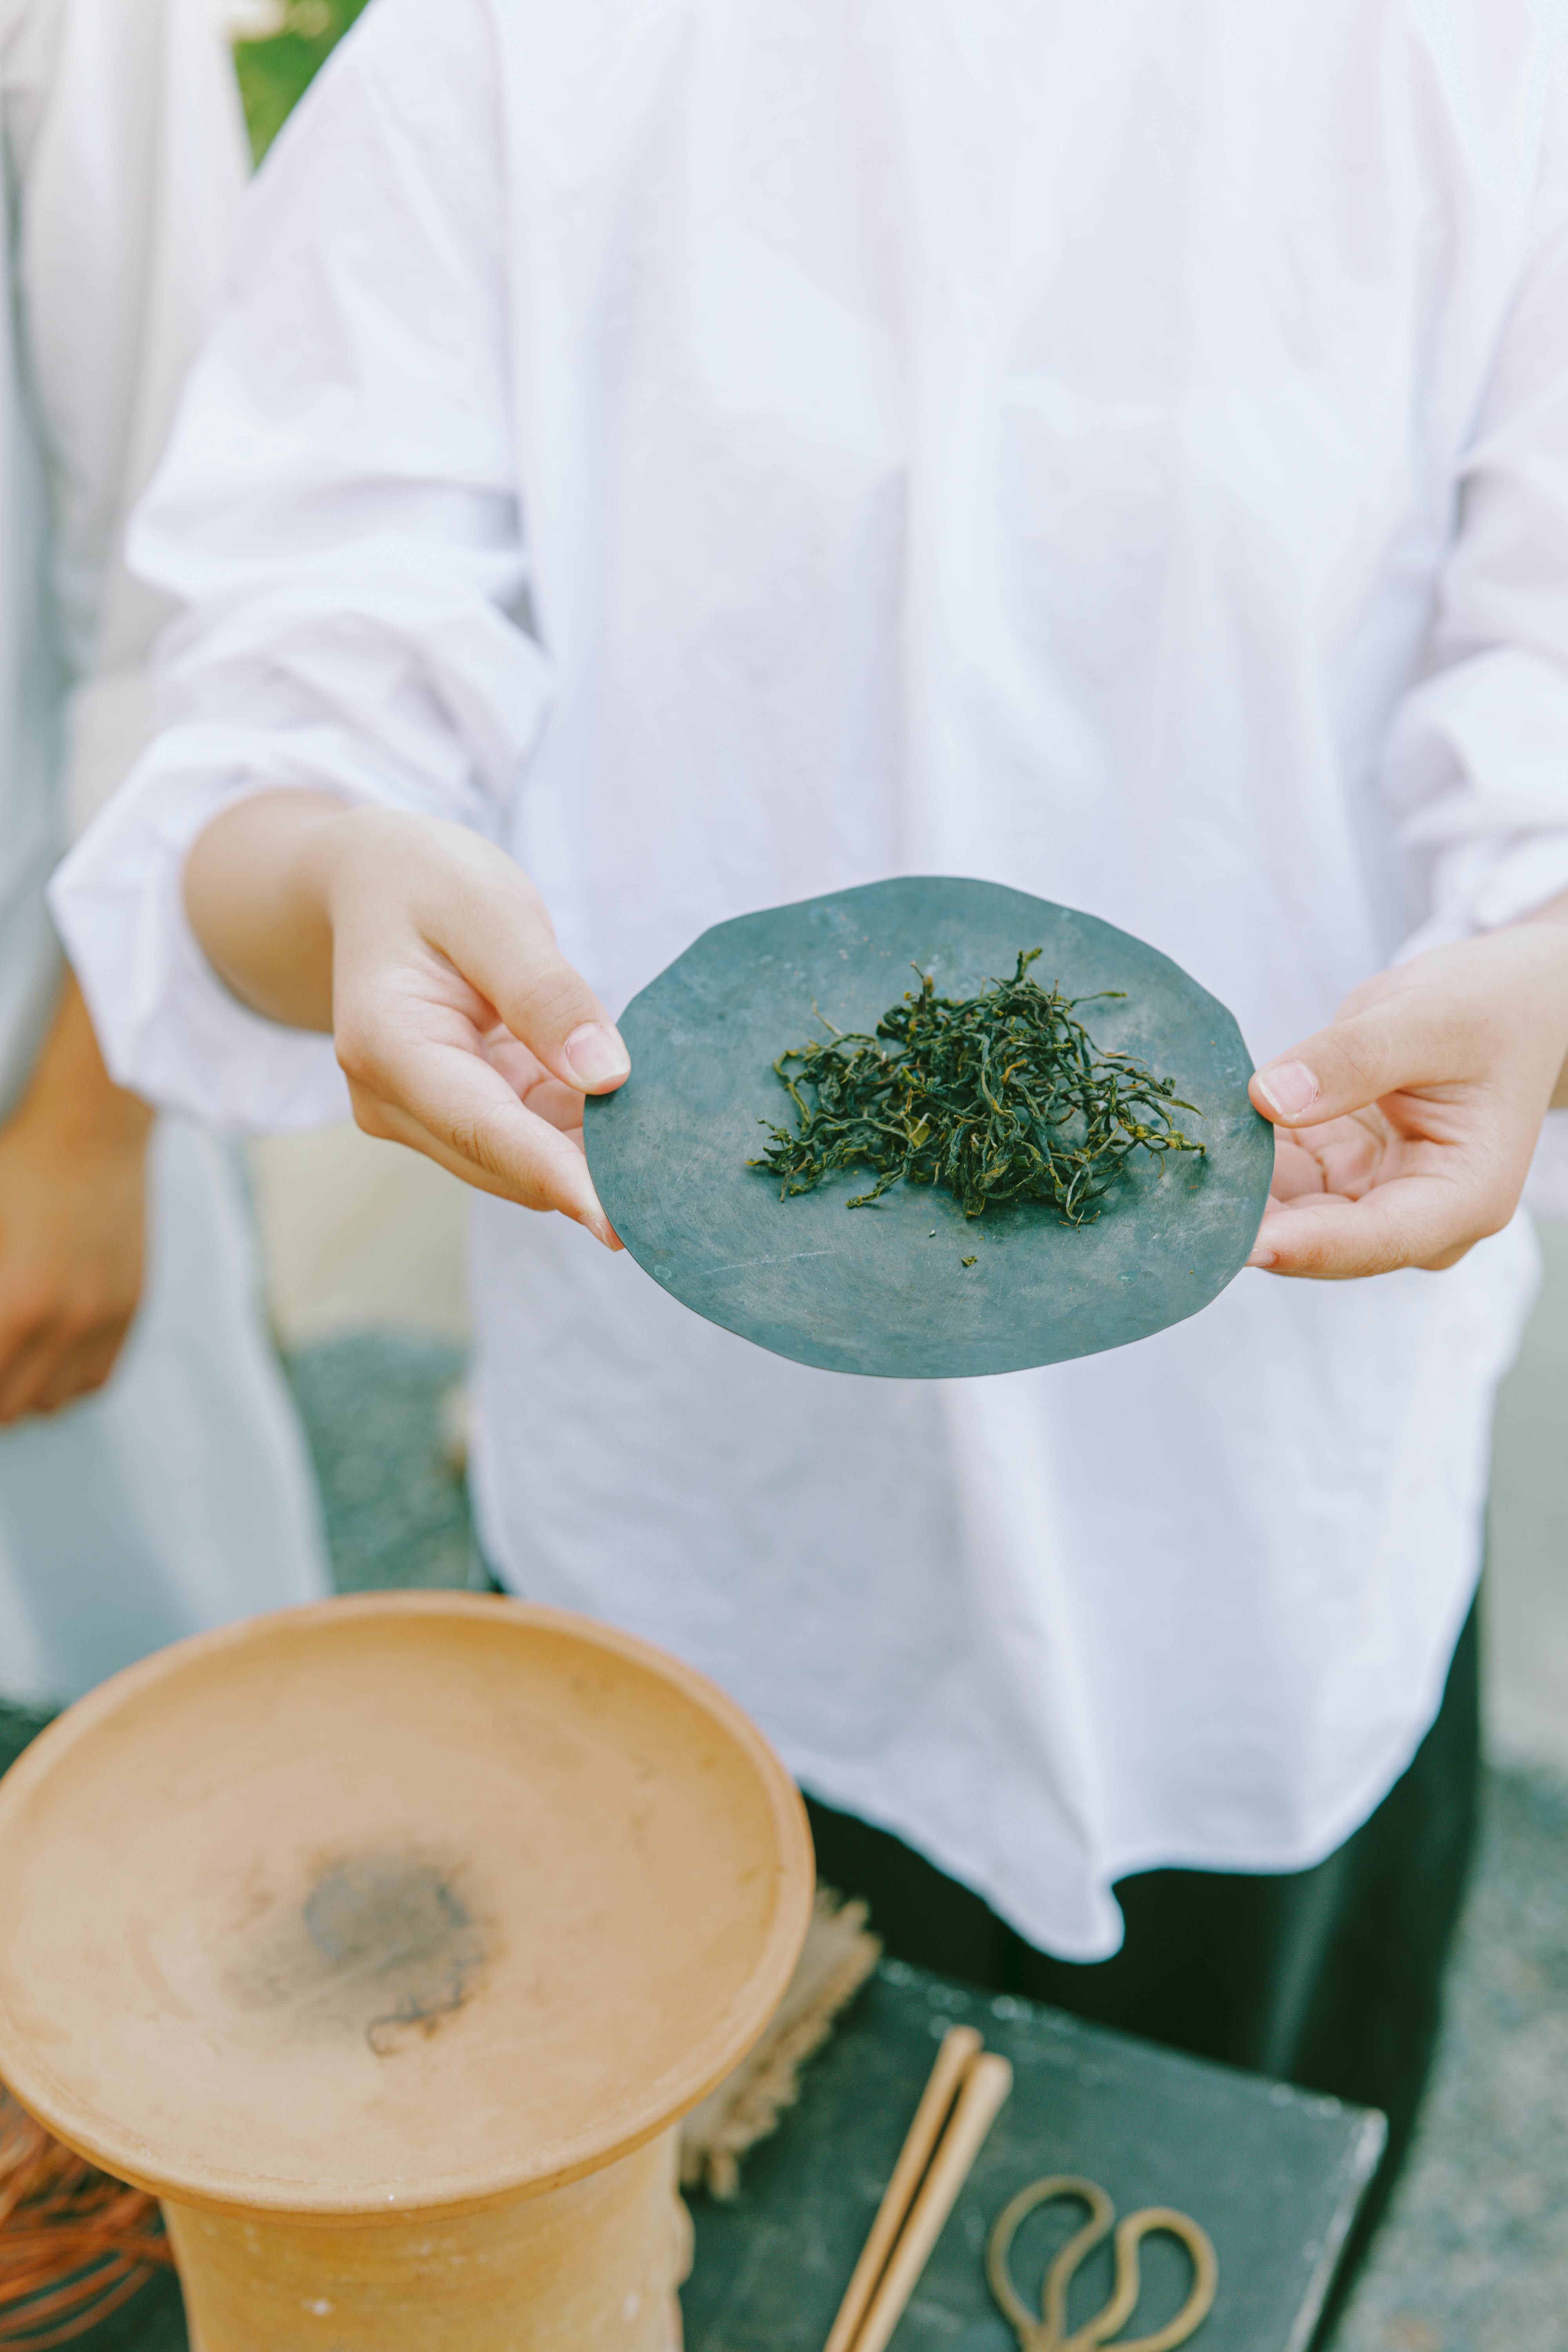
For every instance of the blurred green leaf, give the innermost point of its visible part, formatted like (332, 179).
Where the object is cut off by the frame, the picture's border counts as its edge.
(275, 73)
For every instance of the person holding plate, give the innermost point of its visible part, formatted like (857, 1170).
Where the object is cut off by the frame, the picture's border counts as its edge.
(657, 462)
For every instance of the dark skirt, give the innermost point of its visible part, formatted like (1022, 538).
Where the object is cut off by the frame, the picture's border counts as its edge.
(1328, 1978)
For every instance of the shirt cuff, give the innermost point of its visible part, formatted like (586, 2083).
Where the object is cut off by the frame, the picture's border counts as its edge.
(1546, 1187)
(1497, 890)
(169, 1028)
(109, 725)
(1485, 888)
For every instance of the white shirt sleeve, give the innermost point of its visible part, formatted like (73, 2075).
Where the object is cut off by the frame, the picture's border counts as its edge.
(124, 125)
(338, 518)
(1478, 762)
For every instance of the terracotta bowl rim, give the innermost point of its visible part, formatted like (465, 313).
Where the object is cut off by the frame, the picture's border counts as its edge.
(118, 2149)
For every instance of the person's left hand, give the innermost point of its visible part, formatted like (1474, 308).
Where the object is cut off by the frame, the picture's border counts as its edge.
(73, 1192)
(1405, 1131)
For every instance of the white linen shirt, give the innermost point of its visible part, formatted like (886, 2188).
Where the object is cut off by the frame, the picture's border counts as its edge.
(122, 174)
(180, 1495)
(728, 451)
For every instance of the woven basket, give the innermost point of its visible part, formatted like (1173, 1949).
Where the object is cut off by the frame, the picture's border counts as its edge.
(74, 2244)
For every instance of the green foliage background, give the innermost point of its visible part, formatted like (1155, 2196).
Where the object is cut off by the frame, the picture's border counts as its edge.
(274, 73)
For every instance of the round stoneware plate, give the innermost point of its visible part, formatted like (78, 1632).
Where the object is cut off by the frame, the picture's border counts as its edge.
(884, 1289)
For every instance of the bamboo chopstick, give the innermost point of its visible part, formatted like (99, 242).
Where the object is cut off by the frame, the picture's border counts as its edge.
(961, 2046)
(985, 2088)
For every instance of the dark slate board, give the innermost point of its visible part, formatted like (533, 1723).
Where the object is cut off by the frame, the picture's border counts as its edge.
(1274, 2175)
(870, 1290)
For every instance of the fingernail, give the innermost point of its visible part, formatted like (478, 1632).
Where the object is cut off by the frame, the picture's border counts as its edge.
(1289, 1087)
(597, 1054)
(596, 1222)
(1264, 1257)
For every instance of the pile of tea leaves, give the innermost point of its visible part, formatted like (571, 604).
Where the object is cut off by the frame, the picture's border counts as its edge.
(999, 1096)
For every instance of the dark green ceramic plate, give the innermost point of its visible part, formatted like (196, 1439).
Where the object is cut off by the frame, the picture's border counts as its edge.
(874, 1289)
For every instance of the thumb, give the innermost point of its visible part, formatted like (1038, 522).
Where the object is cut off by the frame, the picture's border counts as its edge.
(1354, 1062)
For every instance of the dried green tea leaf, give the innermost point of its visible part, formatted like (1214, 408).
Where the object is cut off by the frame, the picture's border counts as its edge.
(999, 1096)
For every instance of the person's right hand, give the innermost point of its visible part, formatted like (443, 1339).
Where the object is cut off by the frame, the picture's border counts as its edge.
(462, 1028)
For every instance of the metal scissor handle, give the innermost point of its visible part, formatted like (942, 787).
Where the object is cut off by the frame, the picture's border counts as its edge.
(1048, 2332)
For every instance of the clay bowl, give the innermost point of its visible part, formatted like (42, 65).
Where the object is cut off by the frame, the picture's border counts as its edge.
(387, 1941)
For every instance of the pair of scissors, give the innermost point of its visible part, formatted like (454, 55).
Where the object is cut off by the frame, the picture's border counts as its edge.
(1047, 2332)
